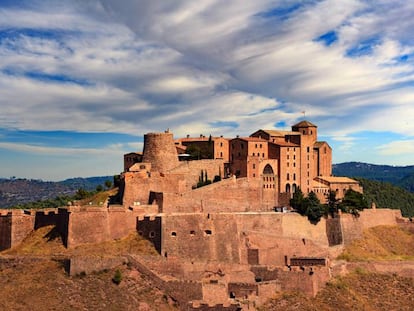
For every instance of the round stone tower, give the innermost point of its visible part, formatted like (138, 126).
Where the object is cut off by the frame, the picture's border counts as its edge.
(160, 151)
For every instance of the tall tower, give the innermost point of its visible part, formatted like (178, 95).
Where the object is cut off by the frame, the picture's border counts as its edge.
(160, 151)
(308, 137)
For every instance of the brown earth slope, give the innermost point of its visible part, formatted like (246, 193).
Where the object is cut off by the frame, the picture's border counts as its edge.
(381, 243)
(32, 277)
(356, 291)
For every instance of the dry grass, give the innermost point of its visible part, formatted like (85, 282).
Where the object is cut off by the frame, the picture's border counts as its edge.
(30, 279)
(356, 291)
(381, 243)
(99, 198)
(43, 285)
(46, 241)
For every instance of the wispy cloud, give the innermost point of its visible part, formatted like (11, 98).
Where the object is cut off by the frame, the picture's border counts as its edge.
(219, 67)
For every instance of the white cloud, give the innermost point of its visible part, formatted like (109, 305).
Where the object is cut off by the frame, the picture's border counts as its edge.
(396, 148)
(207, 66)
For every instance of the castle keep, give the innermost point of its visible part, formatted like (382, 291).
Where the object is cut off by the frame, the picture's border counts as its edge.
(217, 211)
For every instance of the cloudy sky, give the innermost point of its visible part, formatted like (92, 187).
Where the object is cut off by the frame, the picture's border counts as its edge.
(81, 81)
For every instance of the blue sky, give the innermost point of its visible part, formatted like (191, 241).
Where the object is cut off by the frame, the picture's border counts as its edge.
(82, 81)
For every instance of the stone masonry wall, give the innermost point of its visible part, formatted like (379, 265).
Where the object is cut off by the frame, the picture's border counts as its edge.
(228, 237)
(228, 195)
(160, 151)
(22, 225)
(353, 227)
(94, 225)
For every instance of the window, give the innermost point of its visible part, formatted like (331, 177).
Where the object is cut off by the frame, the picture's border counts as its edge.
(241, 145)
(221, 154)
(307, 149)
(294, 176)
(254, 166)
(173, 233)
(287, 176)
(260, 145)
(255, 145)
(207, 232)
(152, 234)
(221, 144)
(254, 175)
(294, 164)
(192, 232)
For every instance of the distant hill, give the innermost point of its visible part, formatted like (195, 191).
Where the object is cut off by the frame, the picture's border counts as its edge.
(16, 191)
(401, 176)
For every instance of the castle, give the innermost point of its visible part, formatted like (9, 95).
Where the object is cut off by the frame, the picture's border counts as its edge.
(216, 210)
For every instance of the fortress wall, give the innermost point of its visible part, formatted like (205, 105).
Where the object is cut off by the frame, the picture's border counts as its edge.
(200, 236)
(138, 186)
(353, 227)
(308, 281)
(235, 195)
(5, 229)
(297, 226)
(22, 225)
(269, 237)
(95, 225)
(192, 169)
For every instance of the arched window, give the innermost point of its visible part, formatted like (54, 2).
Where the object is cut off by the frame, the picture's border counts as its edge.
(287, 188)
(268, 170)
(294, 187)
(268, 177)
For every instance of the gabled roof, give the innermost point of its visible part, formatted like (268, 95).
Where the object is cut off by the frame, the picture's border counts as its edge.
(276, 133)
(319, 144)
(304, 123)
(251, 139)
(338, 179)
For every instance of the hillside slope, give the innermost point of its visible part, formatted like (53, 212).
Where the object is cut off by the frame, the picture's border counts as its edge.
(20, 190)
(385, 195)
(33, 277)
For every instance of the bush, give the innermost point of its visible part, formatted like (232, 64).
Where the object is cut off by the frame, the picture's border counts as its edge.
(117, 277)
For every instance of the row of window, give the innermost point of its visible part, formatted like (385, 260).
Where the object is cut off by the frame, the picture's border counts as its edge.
(288, 176)
(193, 233)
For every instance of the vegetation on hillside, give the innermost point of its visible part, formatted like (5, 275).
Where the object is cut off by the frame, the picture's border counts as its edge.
(310, 206)
(386, 195)
(401, 176)
(18, 191)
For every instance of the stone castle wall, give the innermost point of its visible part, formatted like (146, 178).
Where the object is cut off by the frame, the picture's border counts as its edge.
(353, 227)
(94, 225)
(274, 236)
(228, 195)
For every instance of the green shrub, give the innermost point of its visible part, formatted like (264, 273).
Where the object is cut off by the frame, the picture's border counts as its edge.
(117, 277)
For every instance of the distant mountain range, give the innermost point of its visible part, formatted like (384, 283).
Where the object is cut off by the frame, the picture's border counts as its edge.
(401, 176)
(15, 191)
